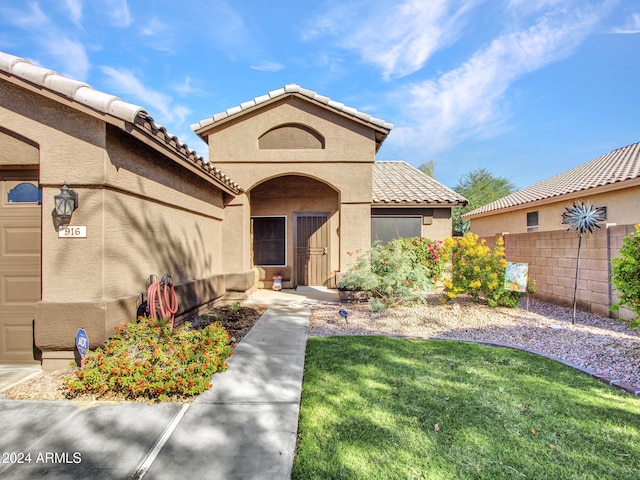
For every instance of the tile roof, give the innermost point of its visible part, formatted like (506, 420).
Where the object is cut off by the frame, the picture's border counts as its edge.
(397, 183)
(614, 167)
(292, 89)
(107, 104)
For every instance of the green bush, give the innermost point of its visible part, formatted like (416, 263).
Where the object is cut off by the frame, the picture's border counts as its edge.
(145, 359)
(397, 272)
(479, 271)
(625, 275)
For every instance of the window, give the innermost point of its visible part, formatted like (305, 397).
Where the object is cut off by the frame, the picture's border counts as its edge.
(532, 222)
(269, 241)
(25, 193)
(388, 227)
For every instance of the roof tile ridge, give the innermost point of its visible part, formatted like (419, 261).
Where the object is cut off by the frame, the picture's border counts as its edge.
(147, 122)
(102, 102)
(70, 88)
(292, 88)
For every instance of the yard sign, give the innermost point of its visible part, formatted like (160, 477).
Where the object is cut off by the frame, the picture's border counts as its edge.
(515, 277)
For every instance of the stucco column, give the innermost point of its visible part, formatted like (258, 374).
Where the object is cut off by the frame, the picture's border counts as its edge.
(236, 236)
(355, 233)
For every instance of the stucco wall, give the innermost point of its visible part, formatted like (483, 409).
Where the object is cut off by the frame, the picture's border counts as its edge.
(621, 203)
(237, 140)
(144, 215)
(344, 165)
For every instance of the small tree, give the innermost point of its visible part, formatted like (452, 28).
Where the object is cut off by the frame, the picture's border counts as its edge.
(480, 187)
(581, 217)
(428, 168)
(625, 275)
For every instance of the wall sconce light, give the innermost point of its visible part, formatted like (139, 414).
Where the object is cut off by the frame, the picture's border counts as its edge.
(65, 202)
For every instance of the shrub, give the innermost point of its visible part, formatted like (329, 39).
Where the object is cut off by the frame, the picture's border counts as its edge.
(625, 275)
(145, 359)
(397, 272)
(479, 271)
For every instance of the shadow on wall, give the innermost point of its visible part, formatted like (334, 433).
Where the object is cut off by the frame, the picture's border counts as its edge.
(164, 240)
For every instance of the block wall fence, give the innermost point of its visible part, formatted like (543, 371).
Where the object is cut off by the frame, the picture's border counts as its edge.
(552, 264)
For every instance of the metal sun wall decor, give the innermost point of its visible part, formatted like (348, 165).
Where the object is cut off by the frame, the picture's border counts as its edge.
(582, 217)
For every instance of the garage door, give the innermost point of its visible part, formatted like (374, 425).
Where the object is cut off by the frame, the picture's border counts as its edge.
(20, 213)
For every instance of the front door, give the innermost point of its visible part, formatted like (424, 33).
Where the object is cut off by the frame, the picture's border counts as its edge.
(20, 213)
(312, 248)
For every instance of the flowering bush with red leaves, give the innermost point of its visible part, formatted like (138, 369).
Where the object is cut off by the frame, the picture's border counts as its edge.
(145, 359)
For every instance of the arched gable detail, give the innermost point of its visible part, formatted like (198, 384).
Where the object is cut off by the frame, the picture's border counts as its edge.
(291, 136)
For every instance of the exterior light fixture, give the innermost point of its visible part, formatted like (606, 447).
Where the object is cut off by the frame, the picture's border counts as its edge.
(65, 202)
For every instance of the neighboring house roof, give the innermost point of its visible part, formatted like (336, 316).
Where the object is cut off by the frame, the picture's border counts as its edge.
(397, 183)
(109, 105)
(614, 167)
(293, 89)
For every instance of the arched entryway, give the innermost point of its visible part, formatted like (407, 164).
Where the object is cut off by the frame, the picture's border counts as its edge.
(294, 230)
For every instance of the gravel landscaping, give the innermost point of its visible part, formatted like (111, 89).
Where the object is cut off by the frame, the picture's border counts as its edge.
(597, 344)
(600, 345)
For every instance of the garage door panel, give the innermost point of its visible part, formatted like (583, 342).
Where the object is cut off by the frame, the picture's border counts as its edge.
(19, 289)
(20, 241)
(17, 339)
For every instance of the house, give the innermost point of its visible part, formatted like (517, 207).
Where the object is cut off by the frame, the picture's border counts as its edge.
(611, 181)
(311, 187)
(146, 204)
(301, 190)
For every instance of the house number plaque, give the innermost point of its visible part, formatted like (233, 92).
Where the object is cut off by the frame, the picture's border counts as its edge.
(72, 232)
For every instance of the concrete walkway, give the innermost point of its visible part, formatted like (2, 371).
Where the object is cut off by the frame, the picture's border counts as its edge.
(245, 427)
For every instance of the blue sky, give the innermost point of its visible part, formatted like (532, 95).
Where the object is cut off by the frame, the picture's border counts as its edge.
(524, 88)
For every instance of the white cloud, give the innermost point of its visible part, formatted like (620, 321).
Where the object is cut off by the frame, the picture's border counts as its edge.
(181, 112)
(185, 88)
(632, 25)
(66, 51)
(75, 10)
(268, 67)
(399, 38)
(33, 17)
(117, 11)
(127, 83)
(154, 27)
(530, 6)
(470, 100)
(72, 55)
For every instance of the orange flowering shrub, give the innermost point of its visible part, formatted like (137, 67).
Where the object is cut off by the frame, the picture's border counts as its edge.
(479, 271)
(145, 359)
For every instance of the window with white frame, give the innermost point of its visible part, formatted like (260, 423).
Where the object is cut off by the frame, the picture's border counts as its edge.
(269, 241)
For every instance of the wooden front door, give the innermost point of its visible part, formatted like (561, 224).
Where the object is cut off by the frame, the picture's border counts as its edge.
(312, 248)
(20, 213)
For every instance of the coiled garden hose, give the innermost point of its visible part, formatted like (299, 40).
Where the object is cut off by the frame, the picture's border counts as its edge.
(162, 298)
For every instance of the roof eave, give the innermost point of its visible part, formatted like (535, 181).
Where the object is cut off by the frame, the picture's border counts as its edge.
(433, 204)
(122, 124)
(632, 182)
(204, 127)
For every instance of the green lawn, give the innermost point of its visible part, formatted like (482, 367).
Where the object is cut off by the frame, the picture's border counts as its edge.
(387, 408)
